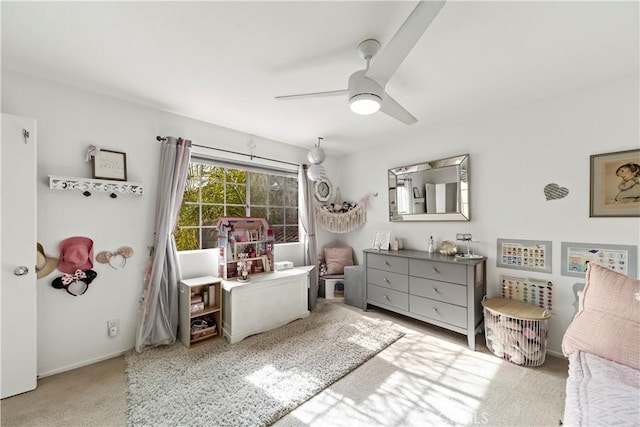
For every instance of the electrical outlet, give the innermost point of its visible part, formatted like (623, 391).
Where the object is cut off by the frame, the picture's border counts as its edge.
(113, 327)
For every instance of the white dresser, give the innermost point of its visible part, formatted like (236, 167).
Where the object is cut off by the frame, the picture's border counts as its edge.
(430, 287)
(266, 302)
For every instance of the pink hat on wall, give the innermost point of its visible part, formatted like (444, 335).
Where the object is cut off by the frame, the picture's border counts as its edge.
(76, 253)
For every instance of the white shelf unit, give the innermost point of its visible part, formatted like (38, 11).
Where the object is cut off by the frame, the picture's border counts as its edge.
(192, 293)
(87, 185)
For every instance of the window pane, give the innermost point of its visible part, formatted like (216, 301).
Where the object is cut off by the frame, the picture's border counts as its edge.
(259, 179)
(291, 234)
(259, 211)
(276, 181)
(236, 211)
(291, 197)
(192, 186)
(278, 233)
(213, 193)
(258, 195)
(236, 176)
(209, 238)
(189, 215)
(212, 173)
(236, 194)
(291, 216)
(276, 196)
(186, 239)
(291, 182)
(276, 216)
(211, 214)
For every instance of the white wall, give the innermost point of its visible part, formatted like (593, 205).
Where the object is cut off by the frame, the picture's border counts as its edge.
(72, 331)
(513, 155)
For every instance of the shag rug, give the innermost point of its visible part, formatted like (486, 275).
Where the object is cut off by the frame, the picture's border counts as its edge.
(255, 381)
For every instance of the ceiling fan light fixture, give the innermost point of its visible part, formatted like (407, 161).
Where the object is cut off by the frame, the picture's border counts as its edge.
(365, 103)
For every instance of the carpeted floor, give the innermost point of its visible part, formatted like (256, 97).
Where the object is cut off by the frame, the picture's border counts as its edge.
(428, 377)
(255, 381)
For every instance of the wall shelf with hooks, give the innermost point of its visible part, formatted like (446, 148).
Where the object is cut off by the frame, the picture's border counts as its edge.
(87, 185)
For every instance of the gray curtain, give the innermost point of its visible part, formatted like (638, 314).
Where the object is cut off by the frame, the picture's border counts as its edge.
(306, 209)
(158, 321)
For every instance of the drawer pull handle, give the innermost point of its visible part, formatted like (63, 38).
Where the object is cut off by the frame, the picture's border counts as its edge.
(387, 264)
(436, 290)
(435, 270)
(435, 310)
(386, 280)
(387, 297)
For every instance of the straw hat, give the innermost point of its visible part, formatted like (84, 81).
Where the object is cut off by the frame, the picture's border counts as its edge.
(44, 264)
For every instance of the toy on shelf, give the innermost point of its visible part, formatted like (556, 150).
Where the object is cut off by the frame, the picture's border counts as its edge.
(246, 247)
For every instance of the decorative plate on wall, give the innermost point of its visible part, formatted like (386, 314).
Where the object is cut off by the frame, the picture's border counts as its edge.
(323, 190)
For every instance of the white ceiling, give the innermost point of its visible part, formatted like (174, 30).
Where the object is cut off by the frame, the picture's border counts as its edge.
(223, 62)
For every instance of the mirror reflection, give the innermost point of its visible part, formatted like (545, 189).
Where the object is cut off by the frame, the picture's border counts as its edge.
(430, 191)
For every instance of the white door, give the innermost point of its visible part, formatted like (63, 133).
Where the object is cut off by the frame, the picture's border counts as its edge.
(18, 255)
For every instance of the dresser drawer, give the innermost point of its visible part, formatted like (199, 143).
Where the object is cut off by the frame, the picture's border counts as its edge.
(388, 263)
(445, 271)
(443, 312)
(388, 296)
(440, 291)
(397, 281)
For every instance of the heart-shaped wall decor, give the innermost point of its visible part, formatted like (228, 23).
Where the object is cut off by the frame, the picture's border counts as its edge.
(554, 192)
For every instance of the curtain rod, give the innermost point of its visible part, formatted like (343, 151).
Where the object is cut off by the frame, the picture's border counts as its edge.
(162, 139)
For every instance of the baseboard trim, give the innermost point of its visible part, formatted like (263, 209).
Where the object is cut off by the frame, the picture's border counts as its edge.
(557, 354)
(81, 364)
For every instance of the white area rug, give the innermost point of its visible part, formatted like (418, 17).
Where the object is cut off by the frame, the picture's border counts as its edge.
(253, 382)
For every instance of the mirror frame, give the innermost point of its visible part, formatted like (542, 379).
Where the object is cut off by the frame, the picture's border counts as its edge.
(464, 206)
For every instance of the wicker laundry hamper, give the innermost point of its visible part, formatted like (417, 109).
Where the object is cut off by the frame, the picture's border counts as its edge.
(516, 331)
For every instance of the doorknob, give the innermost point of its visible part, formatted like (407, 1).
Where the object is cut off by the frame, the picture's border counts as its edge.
(21, 271)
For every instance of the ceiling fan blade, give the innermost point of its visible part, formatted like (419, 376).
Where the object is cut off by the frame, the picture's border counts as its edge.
(389, 59)
(391, 108)
(314, 94)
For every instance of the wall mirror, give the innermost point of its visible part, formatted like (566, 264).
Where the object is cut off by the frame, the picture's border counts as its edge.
(431, 191)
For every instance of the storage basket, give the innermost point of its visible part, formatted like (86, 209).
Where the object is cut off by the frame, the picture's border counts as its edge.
(516, 331)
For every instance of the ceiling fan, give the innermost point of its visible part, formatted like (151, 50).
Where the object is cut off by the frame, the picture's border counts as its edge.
(366, 88)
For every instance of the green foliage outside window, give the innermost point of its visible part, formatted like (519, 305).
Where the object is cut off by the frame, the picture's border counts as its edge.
(214, 191)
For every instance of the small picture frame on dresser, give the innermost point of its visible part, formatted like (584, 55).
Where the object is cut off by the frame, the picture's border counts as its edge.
(381, 240)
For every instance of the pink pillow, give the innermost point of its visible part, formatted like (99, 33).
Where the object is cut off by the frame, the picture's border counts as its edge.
(337, 259)
(609, 323)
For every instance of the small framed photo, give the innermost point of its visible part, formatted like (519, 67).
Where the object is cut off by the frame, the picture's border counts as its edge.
(381, 240)
(109, 164)
(416, 193)
(615, 184)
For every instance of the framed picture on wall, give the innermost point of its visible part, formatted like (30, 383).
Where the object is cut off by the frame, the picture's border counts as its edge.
(107, 164)
(615, 184)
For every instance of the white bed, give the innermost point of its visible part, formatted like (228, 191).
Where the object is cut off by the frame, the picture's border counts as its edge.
(601, 392)
(603, 346)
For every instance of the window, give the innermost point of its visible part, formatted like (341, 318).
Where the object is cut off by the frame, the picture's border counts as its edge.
(214, 189)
